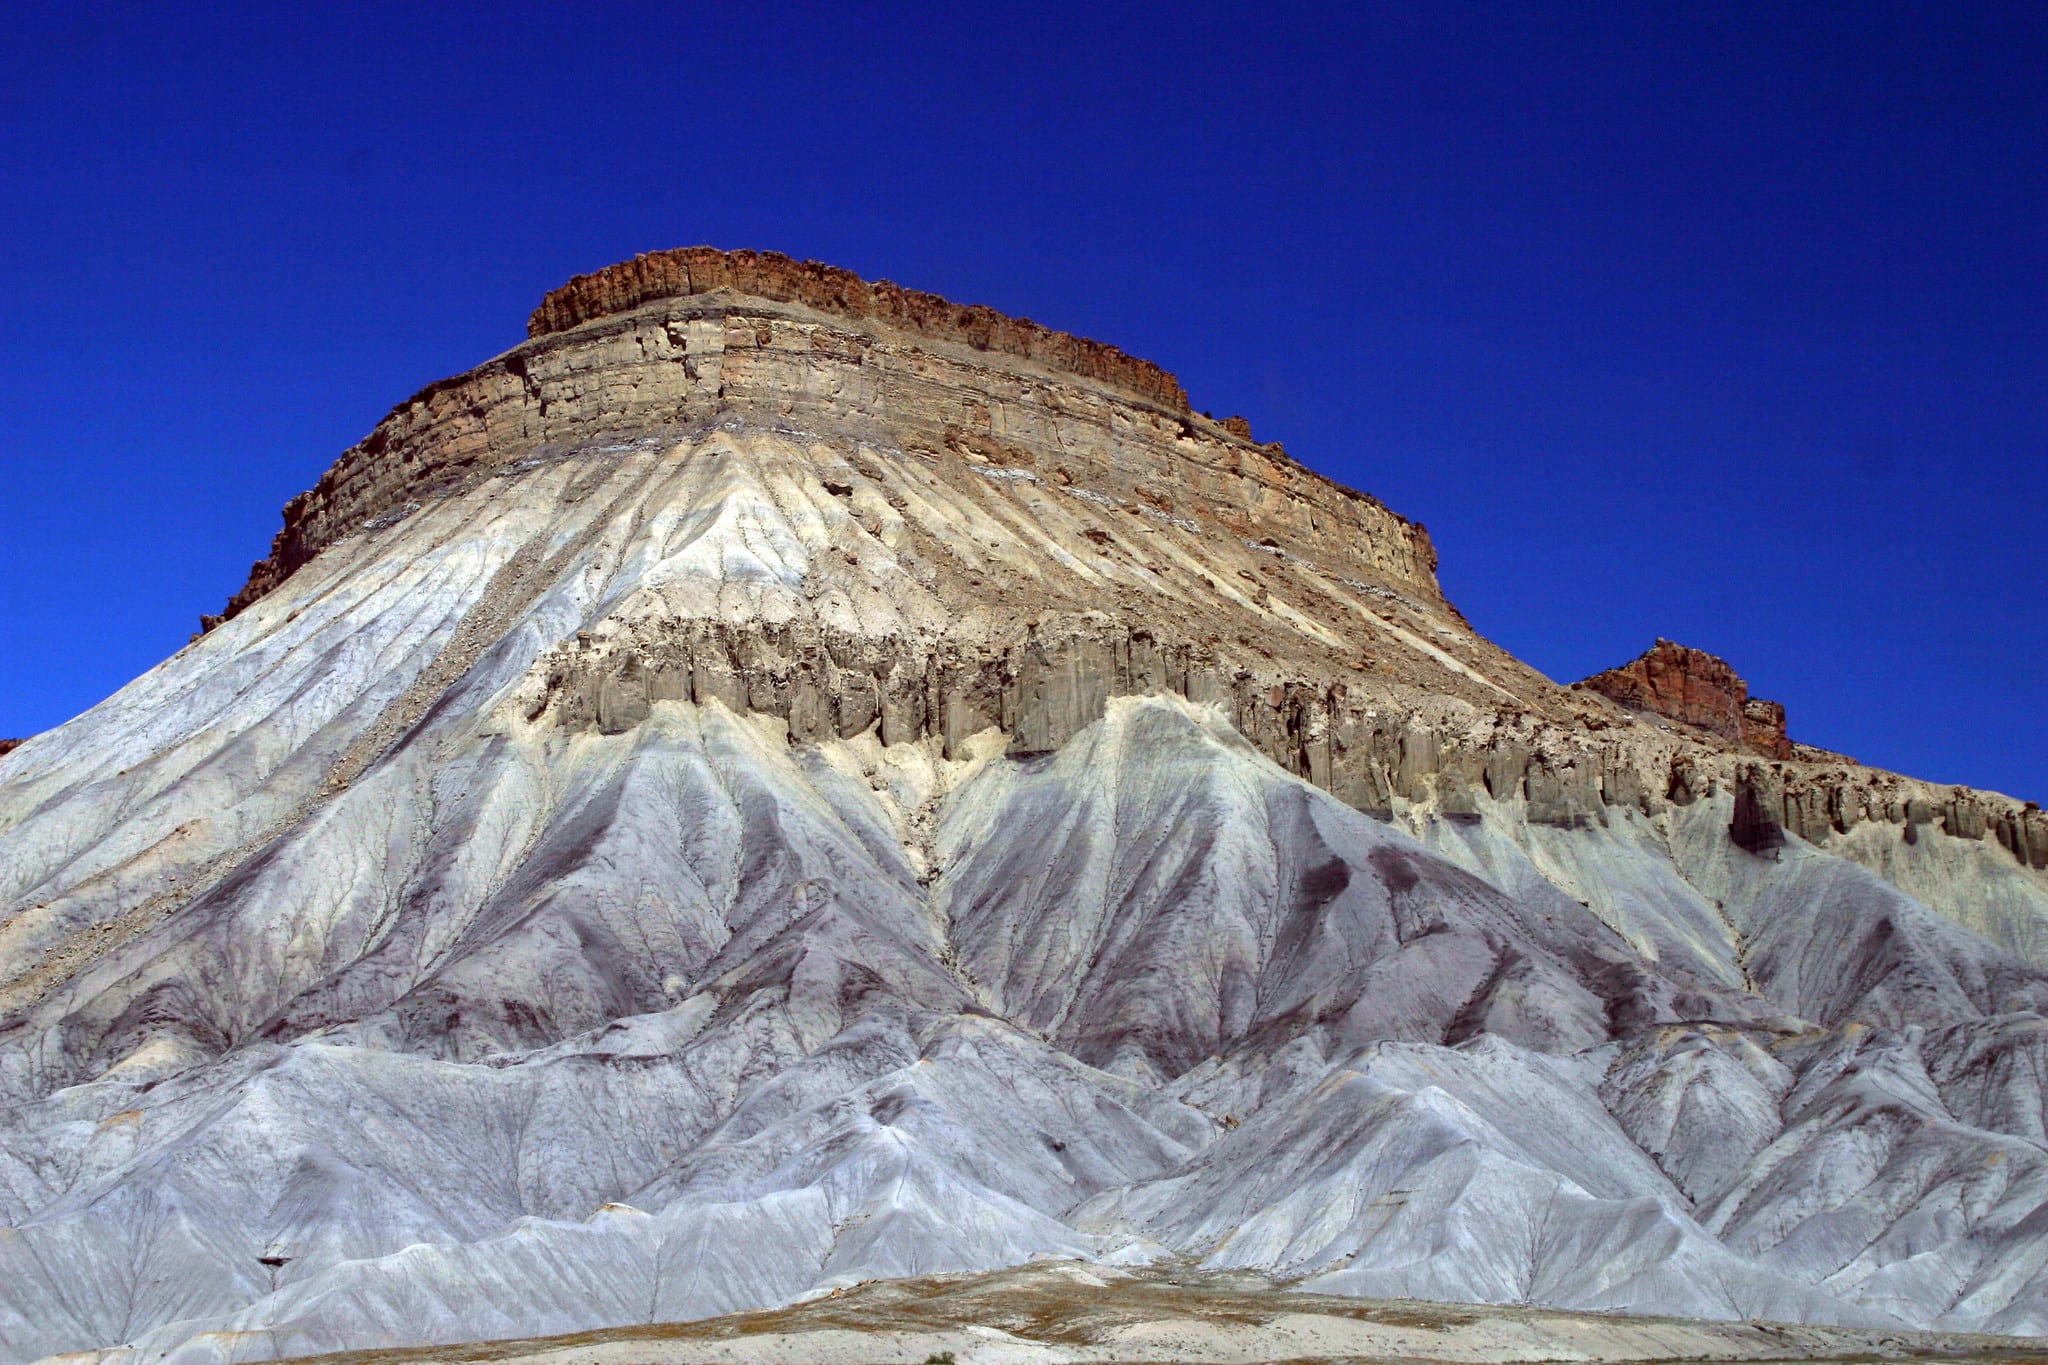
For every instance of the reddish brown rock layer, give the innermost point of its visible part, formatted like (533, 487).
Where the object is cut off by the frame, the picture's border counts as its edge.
(677, 364)
(772, 275)
(1763, 728)
(8, 746)
(1698, 689)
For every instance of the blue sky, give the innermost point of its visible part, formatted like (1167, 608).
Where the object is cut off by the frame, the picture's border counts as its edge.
(1722, 322)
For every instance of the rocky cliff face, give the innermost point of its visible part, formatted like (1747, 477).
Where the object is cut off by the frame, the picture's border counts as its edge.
(901, 373)
(819, 350)
(1697, 689)
(841, 293)
(776, 782)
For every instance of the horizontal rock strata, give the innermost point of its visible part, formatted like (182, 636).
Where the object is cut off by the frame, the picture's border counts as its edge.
(682, 361)
(771, 275)
(1049, 682)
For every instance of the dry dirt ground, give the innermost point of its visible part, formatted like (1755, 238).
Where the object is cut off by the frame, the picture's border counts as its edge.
(1052, 1313)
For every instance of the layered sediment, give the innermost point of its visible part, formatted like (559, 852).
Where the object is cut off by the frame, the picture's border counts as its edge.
(1376, 748)
(642, 347)
(794, 781)
(675, 342)
(841, 293)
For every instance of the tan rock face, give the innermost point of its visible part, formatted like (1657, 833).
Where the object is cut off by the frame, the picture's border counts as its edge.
(1698, 689)
(772, 275)
(754, 337)
(1072, 531)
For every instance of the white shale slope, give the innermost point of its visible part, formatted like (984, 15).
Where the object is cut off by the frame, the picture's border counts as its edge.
(476, 1026)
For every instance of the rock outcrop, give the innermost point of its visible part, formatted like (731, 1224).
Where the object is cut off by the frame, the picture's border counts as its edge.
(1697, 689)
(828, 289)
(8, 746)
(776, 782)
(669, 342)
(1043, 682)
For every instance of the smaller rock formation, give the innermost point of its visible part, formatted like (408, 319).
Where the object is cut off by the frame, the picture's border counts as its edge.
(8, 746)
(1698, 689)
(1755, 826)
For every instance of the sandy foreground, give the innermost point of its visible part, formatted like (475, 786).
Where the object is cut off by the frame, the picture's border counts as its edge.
(1053, 1313)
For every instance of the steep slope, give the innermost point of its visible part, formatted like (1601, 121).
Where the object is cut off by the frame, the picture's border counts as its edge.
(779, 781)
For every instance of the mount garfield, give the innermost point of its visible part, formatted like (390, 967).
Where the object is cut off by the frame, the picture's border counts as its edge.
(778, 781)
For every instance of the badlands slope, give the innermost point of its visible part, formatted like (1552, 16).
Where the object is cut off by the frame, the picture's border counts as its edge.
(778, 782)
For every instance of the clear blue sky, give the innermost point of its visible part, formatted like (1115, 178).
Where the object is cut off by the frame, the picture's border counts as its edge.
(1726, 323)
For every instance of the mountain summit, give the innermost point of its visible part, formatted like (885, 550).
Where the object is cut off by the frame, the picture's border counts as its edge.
(778, 781)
